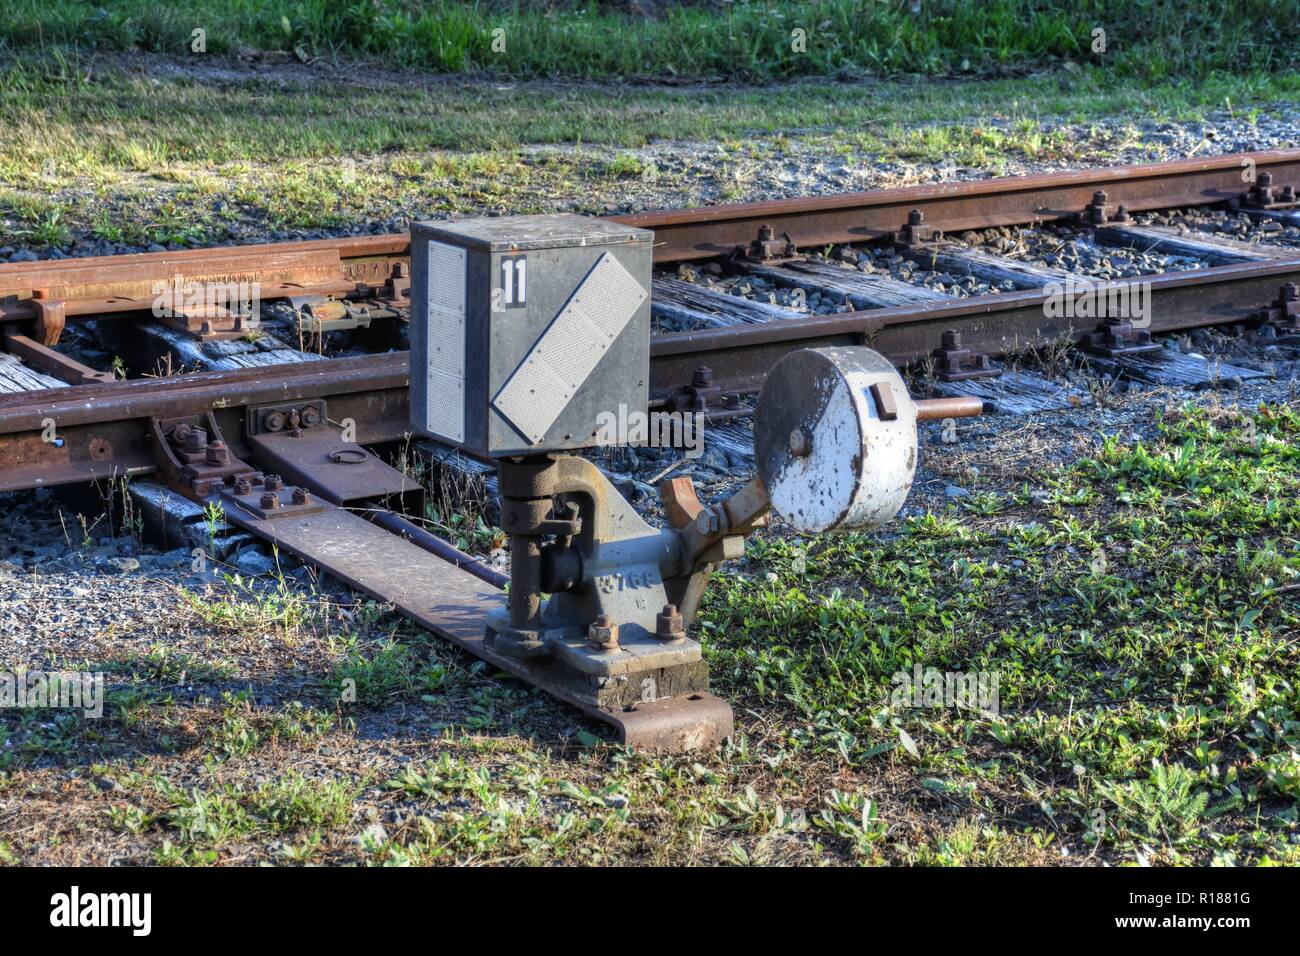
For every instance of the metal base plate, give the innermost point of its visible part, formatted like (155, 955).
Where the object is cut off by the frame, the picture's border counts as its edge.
(692, 722)
(455, 605)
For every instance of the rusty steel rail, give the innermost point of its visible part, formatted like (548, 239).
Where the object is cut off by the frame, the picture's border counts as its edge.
(739, 356)
(50, 292)
(116, 285)
(956, 207)
(103, 429)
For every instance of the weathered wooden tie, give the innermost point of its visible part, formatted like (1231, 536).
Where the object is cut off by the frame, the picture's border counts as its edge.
(955, 260)
(1016, 393)
(17, 377)
(1215, 250)
(684, 306)
(1169, 368)
(862, 290)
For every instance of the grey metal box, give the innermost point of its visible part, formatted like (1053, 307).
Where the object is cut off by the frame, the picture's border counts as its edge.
(525, 329)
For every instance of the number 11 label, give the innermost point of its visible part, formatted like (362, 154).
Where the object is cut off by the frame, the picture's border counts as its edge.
(514, 282)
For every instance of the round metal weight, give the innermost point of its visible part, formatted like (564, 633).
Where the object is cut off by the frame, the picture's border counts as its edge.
(835, 439)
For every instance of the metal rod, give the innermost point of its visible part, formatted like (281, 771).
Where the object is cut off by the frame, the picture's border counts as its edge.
(936, 409)
(413, 533)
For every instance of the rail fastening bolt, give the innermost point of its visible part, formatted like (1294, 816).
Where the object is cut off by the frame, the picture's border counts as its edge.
(270, 500)
(243, 486)
(301, 496)
(196, 439)
(603, 634)
(218, 453)
(669, 625)
(273, 483)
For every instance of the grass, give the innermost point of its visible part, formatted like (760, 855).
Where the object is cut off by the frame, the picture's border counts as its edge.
(278, 606)
(750, 41)
(102, 150)
(1139, 618)
(1146, 705)
(1147, 697)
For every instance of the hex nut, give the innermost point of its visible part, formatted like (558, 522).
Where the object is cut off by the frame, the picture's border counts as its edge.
(218, 453)
(669, 625)
(603, 634)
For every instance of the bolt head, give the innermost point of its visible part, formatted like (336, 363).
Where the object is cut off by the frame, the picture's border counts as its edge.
(669, 625)
(218, 453)
(603, 633)
(801, 442)
(270, 500)
(702, 377)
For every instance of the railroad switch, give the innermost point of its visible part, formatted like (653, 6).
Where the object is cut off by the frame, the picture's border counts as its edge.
(527, 332)
(193, 457)
(318, 314)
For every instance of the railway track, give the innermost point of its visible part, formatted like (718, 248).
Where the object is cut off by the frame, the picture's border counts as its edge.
(310, 376)
(354, 280)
